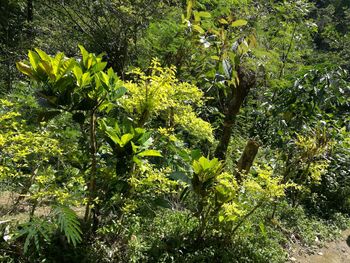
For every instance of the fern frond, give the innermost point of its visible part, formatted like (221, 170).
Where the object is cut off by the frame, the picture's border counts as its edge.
(35, 231)
(69, 224)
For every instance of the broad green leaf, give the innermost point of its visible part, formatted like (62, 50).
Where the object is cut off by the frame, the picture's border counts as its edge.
(34, 59)
(189, 9)
(252, 41)
(162, 202)
(195, 154)
(198, 29)
(119, 92)
(134, 147)
(112, 134)
(25, 69)
(117, 128)
(78, 72)
(197, 168)
(43, 55)
(98, 82)
(46, 67)
(126, 138)
(223, 21)
(66, 67)
(239, 22)
(84, 54)
(99, 67)
(56, 63)
(139, 130)
(104, 78)
(146, 139)
(205, 163)
(136, 160)
(182, 153)
(197, 18)
(110, 73)
(86, 79)
(180, 176)
(204, 14)
(89, 62)
(150, 153)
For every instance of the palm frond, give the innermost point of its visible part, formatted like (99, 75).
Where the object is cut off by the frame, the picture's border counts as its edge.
(35, 231)
(69, 224)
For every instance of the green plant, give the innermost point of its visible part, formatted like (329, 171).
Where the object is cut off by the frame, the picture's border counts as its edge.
(68, 223)
(36, 232)
(80, 87)
(161, 94)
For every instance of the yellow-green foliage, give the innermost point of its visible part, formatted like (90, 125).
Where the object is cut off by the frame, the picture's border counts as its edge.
(161, 93)
(311, 155)
(25, 157)
(206, 169)
(265, 186)
(226, 191)
(42, 67)
(45, 187)
(256, 190)
(230, 212)
(69, 80)
(217, 190)
(151, 180)
(226, 187)
(219, 193)
(148, 184)
(196, 126)
(21, 148)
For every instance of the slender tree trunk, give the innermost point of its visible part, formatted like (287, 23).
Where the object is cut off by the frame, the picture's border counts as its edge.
(238, 95)
(9, 74)
(33, 208)
(247, 159)
(92, 180)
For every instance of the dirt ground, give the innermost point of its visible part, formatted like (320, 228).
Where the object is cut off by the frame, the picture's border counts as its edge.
(21, 212)
(333, 252)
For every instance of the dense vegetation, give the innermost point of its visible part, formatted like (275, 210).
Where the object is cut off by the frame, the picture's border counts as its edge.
(172, 131)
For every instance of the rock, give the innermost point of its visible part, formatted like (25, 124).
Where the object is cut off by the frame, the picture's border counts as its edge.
(293, 259)
(320, 253)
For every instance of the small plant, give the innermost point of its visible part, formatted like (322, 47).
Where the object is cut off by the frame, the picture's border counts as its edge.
(68, 224)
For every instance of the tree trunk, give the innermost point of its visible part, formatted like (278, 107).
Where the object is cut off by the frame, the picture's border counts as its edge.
(9, 75)
(246, 160)
(92, 180)
(238, 95)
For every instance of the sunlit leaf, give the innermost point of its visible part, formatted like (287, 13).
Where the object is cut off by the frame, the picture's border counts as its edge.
(239, 22)
(150, 153)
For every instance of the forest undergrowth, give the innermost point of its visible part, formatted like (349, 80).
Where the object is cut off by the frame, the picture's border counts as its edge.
(173, 131)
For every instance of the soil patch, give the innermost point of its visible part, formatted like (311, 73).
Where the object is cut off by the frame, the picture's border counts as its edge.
(333, 252)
